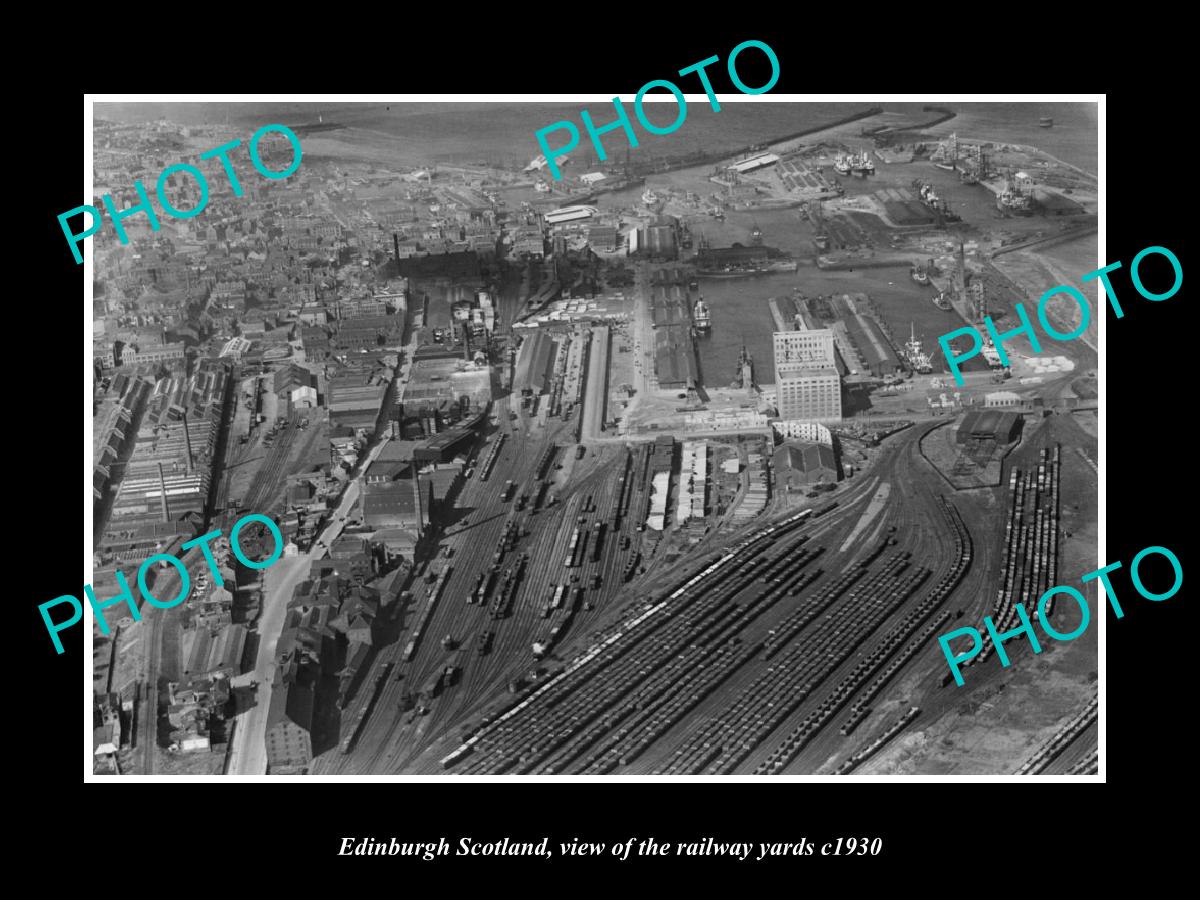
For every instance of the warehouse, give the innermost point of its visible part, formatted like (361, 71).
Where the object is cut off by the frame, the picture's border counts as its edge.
(872, 345)
(805, 462)
(533, 364)
(570, 214)
(1002, 427)
(754, 162)
(674, 357)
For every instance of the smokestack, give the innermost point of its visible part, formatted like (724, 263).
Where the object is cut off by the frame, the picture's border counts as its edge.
(188, 438)
(417, 494)
(396, 244)
(162, 484)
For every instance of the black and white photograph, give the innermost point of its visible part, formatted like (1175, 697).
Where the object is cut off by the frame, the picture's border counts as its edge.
(471, 436)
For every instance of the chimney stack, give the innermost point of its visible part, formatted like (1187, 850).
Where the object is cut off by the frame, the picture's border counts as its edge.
(396, 244)
(162, 484)
(188, 438)
(417, 495)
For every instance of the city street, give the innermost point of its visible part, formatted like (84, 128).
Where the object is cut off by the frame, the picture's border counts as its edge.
(248, 755)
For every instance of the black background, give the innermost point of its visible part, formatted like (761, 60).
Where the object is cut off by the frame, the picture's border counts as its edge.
(973, 827)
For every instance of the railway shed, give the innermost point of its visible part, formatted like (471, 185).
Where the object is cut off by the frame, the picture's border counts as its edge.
(1002, 427)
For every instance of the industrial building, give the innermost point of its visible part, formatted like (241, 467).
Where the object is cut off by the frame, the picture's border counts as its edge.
(661, 241)
(807, 385)
(799, 351)
(289, 729)
(674, 357)
(534, 362)
(755, 162)
(355, 398)
(805, 462)
(1002, 427)
(394, 505)
(812, 396)
(369, 332)
(449, 378)
(872, 346)
(575, 213)
(669, 305)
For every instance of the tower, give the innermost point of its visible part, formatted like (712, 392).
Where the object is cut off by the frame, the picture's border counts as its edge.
(162, 486)
(417, 495)
(187, 437)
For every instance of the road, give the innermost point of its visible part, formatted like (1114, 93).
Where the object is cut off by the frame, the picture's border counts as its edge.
(248, 755)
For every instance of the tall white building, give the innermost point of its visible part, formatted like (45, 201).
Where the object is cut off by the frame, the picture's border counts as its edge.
(807, 386)
(797, 351)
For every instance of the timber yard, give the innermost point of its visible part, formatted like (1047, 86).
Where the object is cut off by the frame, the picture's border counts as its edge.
(646, 471)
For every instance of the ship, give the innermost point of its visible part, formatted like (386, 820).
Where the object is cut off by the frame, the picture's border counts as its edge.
(541, 187)
(919, 275)
(1012, 202)
(930, 198)
(745, 368)
(842, 165)
(942, 301)
(700, 317)
(313, 127)
(917, 359)
(649, 197)
(1046, 122)
(861, 165)
(740, 268)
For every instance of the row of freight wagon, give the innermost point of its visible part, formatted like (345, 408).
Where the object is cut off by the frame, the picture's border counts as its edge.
(539, 724)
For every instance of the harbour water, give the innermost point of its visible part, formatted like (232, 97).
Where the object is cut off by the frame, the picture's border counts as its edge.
(741, 314)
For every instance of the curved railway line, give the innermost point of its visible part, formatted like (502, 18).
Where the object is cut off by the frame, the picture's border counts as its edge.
(767, 649)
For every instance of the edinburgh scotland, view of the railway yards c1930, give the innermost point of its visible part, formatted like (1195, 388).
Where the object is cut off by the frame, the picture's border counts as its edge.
(642, 470)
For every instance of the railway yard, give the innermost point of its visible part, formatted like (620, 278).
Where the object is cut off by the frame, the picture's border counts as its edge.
(804, 642)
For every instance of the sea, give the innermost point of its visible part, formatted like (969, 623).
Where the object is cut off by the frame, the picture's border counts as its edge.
(507, 128)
